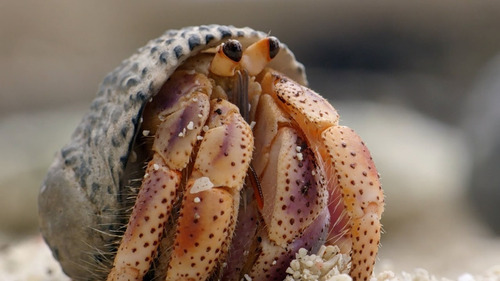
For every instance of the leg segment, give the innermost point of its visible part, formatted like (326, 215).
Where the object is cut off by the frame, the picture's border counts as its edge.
(358, 180)
(180, 119)
(211, 199)
(153, 206)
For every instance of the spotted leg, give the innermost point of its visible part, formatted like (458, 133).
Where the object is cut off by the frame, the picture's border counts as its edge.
(210, 204)
(176, 123)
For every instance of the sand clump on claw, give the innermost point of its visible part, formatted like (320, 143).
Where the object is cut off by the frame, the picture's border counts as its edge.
(331, 265)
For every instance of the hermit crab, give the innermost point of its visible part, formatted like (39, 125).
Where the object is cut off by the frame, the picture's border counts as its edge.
(205, 157)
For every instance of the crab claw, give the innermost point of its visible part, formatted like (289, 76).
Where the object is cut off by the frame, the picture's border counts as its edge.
(348, 168)
(295, 196)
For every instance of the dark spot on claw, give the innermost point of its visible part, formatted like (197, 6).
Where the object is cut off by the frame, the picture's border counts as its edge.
(233, 50)
(304, 189)
(274, 46)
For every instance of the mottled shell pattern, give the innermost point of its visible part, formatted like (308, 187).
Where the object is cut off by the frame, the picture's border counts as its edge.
(81, 202)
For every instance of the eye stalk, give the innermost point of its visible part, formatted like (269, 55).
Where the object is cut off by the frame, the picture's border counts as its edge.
(259, 54)
(229, 57)
(226, 58)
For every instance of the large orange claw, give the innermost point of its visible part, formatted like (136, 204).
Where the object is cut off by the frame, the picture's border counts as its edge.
(356, 198)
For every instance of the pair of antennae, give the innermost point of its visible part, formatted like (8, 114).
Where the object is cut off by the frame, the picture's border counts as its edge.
(240, 98)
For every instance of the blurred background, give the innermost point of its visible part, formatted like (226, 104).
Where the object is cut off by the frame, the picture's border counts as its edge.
(418, 80)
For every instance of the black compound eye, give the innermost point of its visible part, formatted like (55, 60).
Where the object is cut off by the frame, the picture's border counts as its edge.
(274, 46)
(233, 50)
